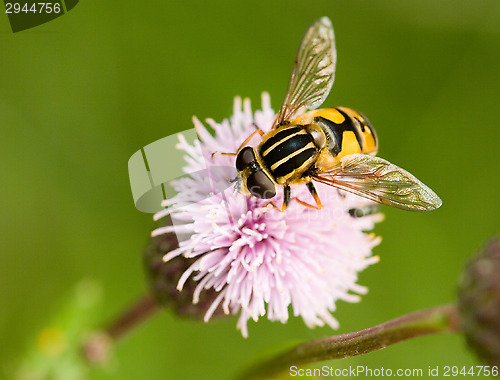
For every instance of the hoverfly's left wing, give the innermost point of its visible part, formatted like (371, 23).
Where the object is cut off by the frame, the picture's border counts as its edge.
(313, 71)
(378, 180)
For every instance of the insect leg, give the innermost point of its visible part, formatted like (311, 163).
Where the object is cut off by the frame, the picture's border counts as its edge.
(215, 154)
(286, 199)
(243, 144)
(359, 212)
(257, 127)
(314, 193)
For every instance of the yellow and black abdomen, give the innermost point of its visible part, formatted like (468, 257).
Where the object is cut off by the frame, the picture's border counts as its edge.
(287, 152)
(347, 131)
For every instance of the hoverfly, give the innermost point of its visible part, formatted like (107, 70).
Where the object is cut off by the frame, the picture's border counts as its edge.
(334, 146)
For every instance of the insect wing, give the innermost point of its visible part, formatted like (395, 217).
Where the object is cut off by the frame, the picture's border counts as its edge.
(380, 181)
(313, 71)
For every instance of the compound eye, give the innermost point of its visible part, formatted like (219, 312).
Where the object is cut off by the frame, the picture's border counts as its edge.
(244, 158)
(260, 185)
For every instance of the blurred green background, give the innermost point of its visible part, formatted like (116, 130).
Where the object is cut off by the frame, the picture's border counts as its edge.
(79, 95)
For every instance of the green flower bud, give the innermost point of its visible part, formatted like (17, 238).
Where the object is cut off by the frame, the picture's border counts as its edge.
(164, 276)
(479, 303)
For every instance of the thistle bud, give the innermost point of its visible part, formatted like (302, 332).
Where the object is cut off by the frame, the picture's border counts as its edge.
(164, 277)
(479, 303)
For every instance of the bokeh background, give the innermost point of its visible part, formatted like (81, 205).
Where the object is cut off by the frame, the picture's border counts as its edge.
(79, 95)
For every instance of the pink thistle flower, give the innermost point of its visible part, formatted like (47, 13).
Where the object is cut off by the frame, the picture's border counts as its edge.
(259, 260)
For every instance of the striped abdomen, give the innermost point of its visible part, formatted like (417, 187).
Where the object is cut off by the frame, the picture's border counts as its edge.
(287, 152)
(347, 131)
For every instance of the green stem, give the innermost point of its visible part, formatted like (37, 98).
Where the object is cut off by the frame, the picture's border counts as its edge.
(98, 345)
(132, 317)
(431, 321)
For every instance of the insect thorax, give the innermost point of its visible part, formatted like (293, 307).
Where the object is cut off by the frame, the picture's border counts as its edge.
(288, 152)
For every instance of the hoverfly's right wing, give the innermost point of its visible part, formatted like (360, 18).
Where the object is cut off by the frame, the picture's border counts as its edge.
(313, 71)
(378, 180)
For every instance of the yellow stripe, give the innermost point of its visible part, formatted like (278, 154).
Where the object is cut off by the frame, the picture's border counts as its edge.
(299, 170)
(276, 164)
(331, 114)
(328, 113)
(370, 145)
(349, 144)
(301, 132)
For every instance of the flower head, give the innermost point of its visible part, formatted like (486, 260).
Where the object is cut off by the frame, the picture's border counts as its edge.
(257, 259)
